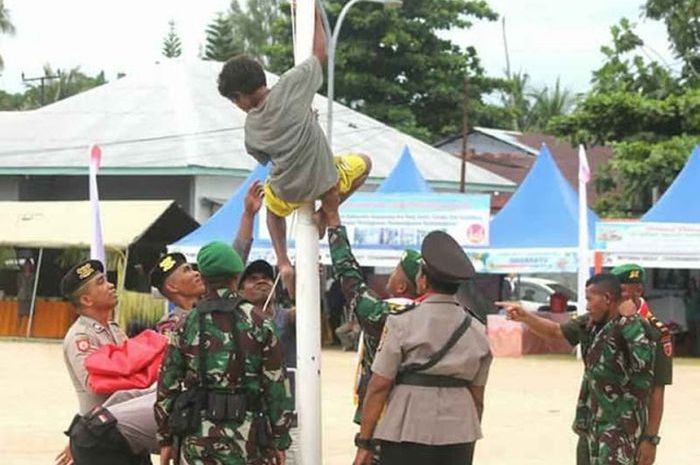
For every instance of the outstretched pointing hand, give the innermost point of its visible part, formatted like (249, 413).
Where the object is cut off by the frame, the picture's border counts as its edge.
(514, 311)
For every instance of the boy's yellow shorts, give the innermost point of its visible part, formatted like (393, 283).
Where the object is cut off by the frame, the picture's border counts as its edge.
(350, 168)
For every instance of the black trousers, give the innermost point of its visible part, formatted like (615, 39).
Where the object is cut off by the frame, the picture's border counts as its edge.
(95, 440)
(409, 453)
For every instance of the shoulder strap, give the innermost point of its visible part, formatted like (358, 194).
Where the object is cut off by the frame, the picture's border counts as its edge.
(223, 305)
(437, 356)
(202, 353)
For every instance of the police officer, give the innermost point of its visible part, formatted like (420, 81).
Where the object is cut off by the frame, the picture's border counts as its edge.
(94, 435)
(369, 308)
(432, 365)
(94, 298)
(632, 278)
(618, 355)
(181, 284)
(222, 388)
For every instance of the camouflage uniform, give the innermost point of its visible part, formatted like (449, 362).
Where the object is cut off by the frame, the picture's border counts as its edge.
(259, 373)
(370, 309)
(611, 412)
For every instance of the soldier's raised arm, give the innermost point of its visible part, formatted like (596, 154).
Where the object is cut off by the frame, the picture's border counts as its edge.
(251, 206)
(370, 309)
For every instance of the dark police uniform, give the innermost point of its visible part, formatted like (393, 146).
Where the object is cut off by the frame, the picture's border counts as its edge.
(434, 352)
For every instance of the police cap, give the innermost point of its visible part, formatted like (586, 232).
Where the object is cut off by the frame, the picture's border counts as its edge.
(444, 258)
(166, 265)
(79, 275)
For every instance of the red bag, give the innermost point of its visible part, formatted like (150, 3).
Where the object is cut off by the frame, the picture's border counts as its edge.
(131, 365)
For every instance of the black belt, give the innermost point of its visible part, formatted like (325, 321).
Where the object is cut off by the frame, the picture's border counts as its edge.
(420, 379)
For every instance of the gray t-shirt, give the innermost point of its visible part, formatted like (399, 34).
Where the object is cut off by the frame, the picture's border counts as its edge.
(285, 131)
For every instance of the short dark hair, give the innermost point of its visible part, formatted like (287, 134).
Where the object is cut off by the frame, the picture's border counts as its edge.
(606, 282)
(241, 75)
(441, 287)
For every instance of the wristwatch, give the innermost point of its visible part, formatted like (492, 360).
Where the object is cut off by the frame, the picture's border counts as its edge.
(364, 443)
(655, 440)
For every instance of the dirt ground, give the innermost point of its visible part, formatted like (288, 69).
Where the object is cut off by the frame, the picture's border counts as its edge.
(529, 409)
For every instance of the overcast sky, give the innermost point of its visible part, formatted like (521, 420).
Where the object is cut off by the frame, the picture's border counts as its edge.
(547, 38)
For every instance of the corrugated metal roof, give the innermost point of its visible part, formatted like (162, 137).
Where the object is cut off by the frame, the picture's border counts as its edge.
(170, 117)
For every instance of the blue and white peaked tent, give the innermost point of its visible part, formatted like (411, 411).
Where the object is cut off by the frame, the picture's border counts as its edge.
(679, 203)
(224, 224)
(537, 230)
(404, 177)
(668, 235)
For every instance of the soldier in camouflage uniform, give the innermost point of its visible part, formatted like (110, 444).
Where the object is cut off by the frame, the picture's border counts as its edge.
(243, 358)
(632, 278)
(618, 354)
(370, 309)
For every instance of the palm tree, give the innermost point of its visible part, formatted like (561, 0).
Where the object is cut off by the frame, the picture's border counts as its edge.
(549, 103)
(6, 26)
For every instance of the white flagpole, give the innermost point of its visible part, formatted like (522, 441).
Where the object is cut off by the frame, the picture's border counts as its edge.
(584, 176)
(97, 248)
(308, 376)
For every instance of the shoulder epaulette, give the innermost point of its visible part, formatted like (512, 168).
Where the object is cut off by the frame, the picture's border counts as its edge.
(658, 324)
(400, 309)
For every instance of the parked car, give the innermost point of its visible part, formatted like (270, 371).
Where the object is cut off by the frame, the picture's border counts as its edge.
(534, 293)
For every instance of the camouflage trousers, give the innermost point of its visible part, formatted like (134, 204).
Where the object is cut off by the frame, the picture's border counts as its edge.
(610, 447)
(212, 451)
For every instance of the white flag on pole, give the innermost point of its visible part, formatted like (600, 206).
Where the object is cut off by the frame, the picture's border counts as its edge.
(97, 248)
(584, 176)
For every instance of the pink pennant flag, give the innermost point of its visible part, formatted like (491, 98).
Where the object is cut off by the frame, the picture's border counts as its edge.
(97, 248)
(584, 172)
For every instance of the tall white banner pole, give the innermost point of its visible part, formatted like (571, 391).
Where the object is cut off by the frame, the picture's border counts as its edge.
(308, 376)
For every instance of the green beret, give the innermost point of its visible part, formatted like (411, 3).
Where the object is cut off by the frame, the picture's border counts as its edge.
(629, 273)
(166, 265)
(410, 263)
(218, 260)
(78, 275)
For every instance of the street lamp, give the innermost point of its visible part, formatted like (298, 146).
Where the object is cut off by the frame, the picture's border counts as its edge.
(332, 42)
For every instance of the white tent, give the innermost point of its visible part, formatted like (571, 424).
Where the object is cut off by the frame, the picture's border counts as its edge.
(170, 119)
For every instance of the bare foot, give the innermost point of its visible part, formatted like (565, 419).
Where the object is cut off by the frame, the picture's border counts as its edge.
(321, 223)
(286, 271)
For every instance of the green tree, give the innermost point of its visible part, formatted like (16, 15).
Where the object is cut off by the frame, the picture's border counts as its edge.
(393, 64)
(65, 85)
(6, 26)
(549, 103)
(255, 25)
(648, 113)
(530, 108)
(172, 45)
(223, 39)
(682, 20)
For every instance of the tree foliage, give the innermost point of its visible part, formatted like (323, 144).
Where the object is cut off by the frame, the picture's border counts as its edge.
(393, 64)
(223, 40)
(6, 26)
(58, 85)
(647, 112)
(172, 45)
